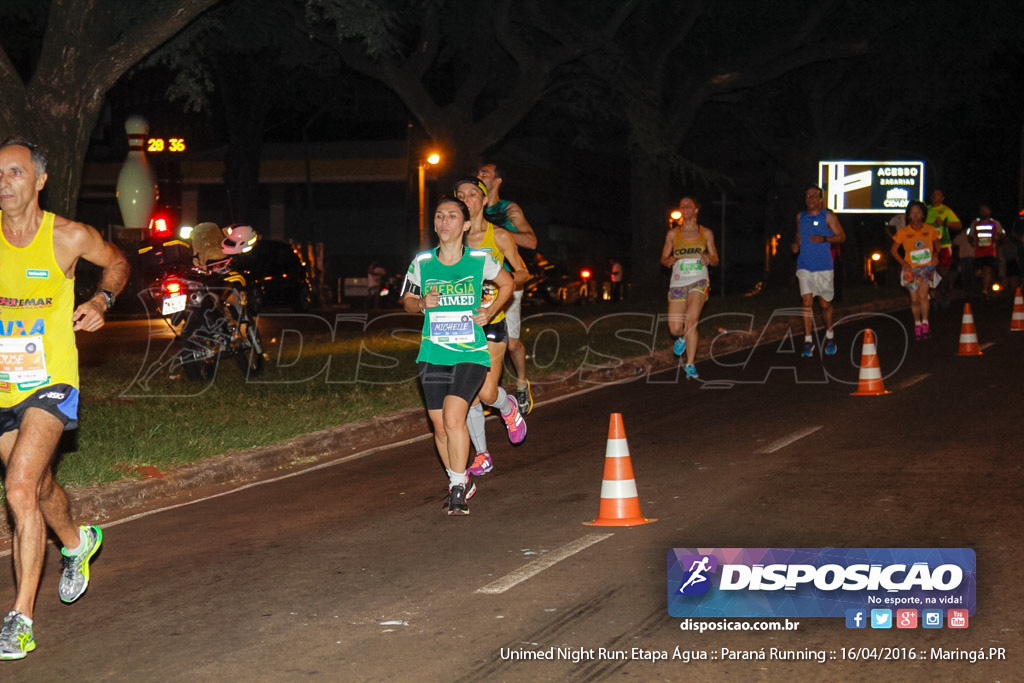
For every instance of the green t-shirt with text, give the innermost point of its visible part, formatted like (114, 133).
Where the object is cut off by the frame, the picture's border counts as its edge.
(449, 335)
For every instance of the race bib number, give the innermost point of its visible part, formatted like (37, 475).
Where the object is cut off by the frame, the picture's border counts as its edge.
(921, 257)
(452, 327)
(22, 360)
(687, 270)
(689, 266)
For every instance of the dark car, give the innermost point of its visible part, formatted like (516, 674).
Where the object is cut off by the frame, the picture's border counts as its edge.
(275, 276)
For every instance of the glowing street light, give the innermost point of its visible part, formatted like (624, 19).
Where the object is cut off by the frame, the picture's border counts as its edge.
(432, 160)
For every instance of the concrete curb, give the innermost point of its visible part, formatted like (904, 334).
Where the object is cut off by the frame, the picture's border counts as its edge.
(104, 502)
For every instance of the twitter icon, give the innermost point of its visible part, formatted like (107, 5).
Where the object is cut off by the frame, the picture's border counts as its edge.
(881, 618)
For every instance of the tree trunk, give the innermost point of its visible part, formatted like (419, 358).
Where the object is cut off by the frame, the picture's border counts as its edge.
(80, 58)
(65, 141)
(244, 89)
(649, 188)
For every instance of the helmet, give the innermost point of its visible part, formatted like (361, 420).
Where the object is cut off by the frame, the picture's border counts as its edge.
(206, 241)
(240, 239)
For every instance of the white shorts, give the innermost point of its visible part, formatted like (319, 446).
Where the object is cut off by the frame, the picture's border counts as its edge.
(816, 282)
(514, 314)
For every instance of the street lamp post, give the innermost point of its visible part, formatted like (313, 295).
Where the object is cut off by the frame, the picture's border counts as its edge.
(431, 160)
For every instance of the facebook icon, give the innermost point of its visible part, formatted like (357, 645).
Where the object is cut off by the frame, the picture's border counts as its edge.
(856, 618)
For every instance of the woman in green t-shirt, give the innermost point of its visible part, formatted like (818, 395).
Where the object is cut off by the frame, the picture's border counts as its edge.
(445, 284)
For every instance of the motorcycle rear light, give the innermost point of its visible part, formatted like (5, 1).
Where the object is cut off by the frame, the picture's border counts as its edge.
(159, 228)
(172, 288)
(585, 274)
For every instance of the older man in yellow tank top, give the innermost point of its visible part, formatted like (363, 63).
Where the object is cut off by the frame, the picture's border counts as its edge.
(39, 376)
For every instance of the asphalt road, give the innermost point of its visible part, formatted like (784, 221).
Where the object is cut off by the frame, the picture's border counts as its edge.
(352, 572)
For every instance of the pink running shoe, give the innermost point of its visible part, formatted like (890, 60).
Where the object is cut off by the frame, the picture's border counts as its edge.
(515, 423)
(481, 465)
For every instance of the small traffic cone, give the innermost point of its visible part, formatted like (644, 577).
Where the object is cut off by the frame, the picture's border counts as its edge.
(620, 505)
(968, 335)
(1017, 319)
(870, 380)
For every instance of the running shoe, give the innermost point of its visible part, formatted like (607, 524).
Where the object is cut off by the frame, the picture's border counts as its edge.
(691, 371)
(470, 492)
(74, 577)
(808, 350)
(481, 464)
(457, 497)
(16, 637)
(514, 423)
(917, 333)
(830, 347)
(926, 332)
(524, 397)
(679, 348)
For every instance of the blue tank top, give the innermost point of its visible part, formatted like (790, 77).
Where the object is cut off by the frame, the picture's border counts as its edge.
(814, 257)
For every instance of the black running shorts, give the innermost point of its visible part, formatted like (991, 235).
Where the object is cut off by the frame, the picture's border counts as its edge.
(59, 400)
(497, 333)
(440, 381)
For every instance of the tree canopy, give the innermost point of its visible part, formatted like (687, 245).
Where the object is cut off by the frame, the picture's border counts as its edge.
(59, 59)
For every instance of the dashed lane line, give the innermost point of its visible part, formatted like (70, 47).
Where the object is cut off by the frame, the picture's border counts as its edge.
(911, 381)
(785, 441)
(540, 564)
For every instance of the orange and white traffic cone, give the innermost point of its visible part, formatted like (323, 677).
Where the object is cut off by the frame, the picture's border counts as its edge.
(968, 335)
(870, 380)
(1017, 319)
(620, 504)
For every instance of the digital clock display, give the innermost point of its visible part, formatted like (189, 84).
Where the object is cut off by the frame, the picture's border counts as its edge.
(156, 145)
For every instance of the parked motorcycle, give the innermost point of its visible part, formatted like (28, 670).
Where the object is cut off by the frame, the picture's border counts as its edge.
(207, 310)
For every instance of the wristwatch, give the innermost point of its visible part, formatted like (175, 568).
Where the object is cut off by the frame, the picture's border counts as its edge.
(109, 296)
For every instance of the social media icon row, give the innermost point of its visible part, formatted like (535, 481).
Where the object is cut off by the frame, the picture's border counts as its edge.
(905, 618)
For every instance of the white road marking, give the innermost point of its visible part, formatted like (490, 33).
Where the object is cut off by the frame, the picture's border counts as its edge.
(370, 451)
(785, 441)
(911, 381)
(540, 564)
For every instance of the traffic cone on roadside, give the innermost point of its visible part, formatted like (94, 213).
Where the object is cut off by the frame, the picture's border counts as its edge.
(869, 382)
(968, 335)
(620, 504)
(1017, 319)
